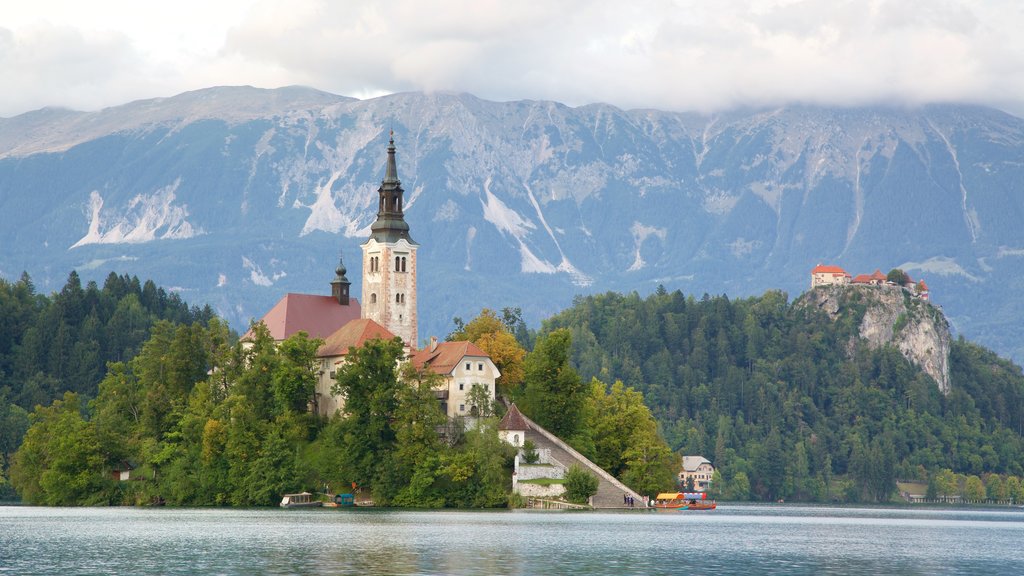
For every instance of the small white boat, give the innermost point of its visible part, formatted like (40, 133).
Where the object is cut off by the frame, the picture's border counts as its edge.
(301, 500)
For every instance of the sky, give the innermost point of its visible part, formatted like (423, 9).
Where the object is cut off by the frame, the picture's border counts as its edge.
(683, 55)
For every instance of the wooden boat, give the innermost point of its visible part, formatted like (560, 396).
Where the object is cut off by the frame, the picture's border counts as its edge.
(684, 501)
(300, 500)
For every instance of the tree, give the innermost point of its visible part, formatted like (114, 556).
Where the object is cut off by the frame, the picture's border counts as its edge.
(479, 401)
(554, 395)
(60, 461)
(738, 488)
(368, 381)
(974, 488)
(579, 484)
(946, 483)
(295, 374)
(495, 337)
(995, 488)
(897, 277)
(650, 465)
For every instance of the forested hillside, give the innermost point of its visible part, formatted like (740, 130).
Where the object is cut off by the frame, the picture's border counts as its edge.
(787, 404)
(51, 344)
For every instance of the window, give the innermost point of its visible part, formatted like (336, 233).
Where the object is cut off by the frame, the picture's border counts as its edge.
(461, 386)
(468, 367)
(480, 367)
(515, 439)
(462, 407)
(373, 298)
(398, 298)
(403, 263)
(398, 262)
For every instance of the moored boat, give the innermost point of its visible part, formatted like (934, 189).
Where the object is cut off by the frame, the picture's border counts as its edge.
(300, 500)
(684, 501)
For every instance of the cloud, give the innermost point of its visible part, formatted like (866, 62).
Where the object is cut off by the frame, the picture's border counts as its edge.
(674, 55)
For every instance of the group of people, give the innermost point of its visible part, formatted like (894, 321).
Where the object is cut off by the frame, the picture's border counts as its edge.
(628, 500)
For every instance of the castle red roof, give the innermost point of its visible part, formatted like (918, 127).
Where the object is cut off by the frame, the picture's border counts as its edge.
(353, 335)
(446, 356)
(318, 316)
(861, 279)
(826, 269)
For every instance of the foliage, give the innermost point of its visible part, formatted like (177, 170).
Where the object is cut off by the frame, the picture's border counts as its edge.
(775, 391)
(62, 342)
(897, 277)
(495, 337)
(554, 395)
(530, 455)
(60, 461)
(579, 484)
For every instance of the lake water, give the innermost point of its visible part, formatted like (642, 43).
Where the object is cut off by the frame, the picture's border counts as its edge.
(734, 539)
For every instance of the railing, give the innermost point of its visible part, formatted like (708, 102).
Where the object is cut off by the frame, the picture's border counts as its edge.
(545, 504)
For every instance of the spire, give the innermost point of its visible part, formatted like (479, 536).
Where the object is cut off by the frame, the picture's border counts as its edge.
(391, 172)
(340, 285)
(390, 225)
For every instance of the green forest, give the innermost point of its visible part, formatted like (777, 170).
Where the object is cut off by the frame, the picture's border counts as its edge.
(200, 418)
(772, 393)
(95, 380)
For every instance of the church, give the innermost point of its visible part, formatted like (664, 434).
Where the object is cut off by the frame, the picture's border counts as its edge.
(388, 310)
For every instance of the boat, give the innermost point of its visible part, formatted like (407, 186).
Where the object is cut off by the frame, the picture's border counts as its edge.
(300, 500)
(684, 501)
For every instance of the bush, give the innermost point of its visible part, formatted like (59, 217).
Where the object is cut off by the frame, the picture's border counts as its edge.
(580, 485)
(530, 454)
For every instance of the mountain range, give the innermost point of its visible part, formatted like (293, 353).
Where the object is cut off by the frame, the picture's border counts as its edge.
(234, 196)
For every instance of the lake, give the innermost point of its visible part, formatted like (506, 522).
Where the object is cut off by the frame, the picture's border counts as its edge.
(735, 539)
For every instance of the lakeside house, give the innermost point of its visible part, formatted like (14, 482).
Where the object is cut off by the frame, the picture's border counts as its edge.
(699, 469)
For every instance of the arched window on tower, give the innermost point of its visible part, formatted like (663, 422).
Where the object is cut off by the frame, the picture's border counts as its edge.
(373, 298)
(403, 263)
(398, 262)
(398, 298)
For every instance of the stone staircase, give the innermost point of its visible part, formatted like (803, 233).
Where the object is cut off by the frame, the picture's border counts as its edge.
(610, 490)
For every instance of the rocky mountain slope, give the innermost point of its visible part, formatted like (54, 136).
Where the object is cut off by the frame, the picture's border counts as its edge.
(890, 315)
(237, 195)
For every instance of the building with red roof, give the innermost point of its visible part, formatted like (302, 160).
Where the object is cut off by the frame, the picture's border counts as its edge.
(332, 353)
(463, 365)
(513, 426)
(388, 311)
(823, 275)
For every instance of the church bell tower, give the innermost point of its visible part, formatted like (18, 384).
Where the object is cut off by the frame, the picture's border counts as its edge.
(389, 261)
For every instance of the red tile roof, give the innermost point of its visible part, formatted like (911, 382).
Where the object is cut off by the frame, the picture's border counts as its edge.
(318, 316)
(353, 334)
(824, 269)
(861, 279)
(446, 356)
(513, 420)
(877, 275)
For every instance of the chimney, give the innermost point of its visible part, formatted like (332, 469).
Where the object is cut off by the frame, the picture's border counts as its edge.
(433, 343)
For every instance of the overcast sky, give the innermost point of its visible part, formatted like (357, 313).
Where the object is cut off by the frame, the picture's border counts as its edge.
(701, 55)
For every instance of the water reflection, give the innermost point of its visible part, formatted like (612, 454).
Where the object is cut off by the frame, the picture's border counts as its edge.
(733, 539)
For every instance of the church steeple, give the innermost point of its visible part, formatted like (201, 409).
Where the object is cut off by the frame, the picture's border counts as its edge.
(340, 285)
(390, 225)
(389, 261)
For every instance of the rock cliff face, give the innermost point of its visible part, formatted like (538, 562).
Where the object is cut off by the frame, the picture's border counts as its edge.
(889, 315)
